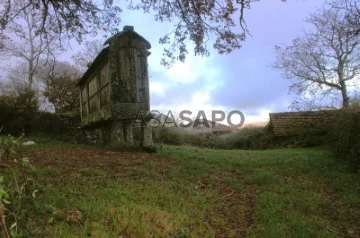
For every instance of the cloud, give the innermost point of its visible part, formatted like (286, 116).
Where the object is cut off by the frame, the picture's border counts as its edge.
(157, 89)
(242, 80)
(186, 85)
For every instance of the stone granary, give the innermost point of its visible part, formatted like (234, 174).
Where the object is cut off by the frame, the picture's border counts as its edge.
(114, 91)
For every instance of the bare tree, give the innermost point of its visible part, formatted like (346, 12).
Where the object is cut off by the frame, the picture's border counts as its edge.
(26, 41)
(199, 22)
(69, 18)
(84, 58)
(324, 59)
(16, 90)
(352, 16)
(17, 79)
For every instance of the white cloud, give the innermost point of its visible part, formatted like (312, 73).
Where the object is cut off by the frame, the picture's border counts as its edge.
(262, 115)
(193, 69)
(157, 88)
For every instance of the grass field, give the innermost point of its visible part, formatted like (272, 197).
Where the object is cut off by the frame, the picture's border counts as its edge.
(185, 191)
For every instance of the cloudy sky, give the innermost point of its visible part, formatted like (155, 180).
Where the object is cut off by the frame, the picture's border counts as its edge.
(242, 80)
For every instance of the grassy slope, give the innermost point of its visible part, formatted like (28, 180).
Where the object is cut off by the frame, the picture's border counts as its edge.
(187, 191)
(299, 193)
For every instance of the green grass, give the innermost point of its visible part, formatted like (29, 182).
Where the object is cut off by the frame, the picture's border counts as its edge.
(299, 192)
(193, 192)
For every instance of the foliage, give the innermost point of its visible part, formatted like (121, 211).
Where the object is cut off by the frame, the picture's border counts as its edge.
(247, 138)
(21, 194)
(22, 190)
(167, 135)
(17, 194)
(198, 22)
(10, 147)
(17, 121)
(352, 7)
(84, 58)
(71, 19)
(25, 99)
(250, 138)
(26, 41)
(61, 87)
(4, 200)
(344, 137)
(325, 59)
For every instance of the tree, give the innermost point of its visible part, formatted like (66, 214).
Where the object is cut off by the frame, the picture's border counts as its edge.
(15, 89)
(84, 58)
(26, 42)
(70, 18)
(352, 9)
(60, 86)
(194, 21)
(324, 59)
(16, 93)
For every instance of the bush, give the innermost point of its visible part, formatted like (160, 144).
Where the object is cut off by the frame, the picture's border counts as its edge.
(345, 138)
(26, 99)
(166, 135)
(247, 138)
(16, 121)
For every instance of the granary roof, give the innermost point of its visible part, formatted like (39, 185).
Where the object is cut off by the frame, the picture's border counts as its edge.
(127, 30)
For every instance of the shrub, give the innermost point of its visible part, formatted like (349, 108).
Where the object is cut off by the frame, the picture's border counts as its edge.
(194, 139)
(26, 99)
(167, 135)
(247, 138)
(345, 137)
(16, 121)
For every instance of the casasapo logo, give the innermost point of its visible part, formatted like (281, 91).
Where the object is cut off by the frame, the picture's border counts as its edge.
(184, 118)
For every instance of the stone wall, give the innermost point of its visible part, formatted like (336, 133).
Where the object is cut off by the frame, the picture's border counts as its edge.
(300, 123)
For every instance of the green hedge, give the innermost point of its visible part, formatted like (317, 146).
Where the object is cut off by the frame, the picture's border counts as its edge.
(16, 121)
(166, 135)
(344, 138)
(248, 138)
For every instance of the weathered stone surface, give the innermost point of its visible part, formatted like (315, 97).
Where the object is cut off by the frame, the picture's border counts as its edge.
(299, 123)
(115, 89)
(147, 140)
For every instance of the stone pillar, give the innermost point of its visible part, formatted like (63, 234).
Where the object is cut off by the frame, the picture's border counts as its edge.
(146, 136)
(128, 133)
(116, 134)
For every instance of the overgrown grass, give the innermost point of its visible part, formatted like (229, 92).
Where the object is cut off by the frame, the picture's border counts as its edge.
(299, 192)
(192, 192)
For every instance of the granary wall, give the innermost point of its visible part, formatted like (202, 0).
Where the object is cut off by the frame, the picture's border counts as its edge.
(95, 96)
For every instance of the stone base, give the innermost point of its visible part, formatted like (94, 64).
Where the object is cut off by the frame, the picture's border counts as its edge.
(119, 134)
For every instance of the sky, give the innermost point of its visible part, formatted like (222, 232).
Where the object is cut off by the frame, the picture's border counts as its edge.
(242, 80)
